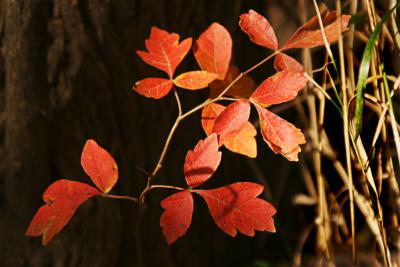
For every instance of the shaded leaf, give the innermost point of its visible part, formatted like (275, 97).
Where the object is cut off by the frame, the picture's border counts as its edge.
(243, 143)
(62, 199)
(285, 62)
(310, 34)
(202, 161)
(283, 86)
(164, 50)
(213, 50)
(99, 165)
(258, 29)
(241, 89)
(153, 87)
(232, 120)
(194, 80)
(236, 207)
(280, 135)
(177, 217)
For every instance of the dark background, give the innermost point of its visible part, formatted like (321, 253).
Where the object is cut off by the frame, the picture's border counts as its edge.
(66, 72)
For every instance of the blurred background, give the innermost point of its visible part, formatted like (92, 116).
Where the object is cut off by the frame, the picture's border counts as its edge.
(66, 73)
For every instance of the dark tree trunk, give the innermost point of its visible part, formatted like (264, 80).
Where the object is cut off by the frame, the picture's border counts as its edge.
(66, 71)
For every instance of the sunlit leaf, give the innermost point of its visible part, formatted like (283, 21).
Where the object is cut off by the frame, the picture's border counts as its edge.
(213, 50)
(202, 161)
(194, 80)
(164, 50)
(153, 87)
(177, 217)
(258, 29)
(285, 62)
(99, 165)
(62, 199)
(310, 34)
(236, 207)
(279, 88)
(232, 120)
(243, 142)
(280, 135)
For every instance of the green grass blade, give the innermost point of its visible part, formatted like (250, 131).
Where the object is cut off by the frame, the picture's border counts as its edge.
(364, 69)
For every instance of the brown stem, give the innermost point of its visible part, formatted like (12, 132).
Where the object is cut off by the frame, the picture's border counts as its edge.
(134, 199)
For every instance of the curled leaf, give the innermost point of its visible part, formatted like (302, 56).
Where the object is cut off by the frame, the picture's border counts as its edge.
(202, 161)
(213, 50)
(153, 87)
(310, 34)
(99, 165)
(232, 120)
(285, 62)
(279, 88)
(164, 50)
(194, 80)
(280, 135)
(236, 207)
(177, 215)
(62, 199)
(258, 29)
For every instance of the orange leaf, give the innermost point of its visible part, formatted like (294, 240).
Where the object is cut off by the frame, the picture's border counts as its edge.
(285, 62)
(194, 80)
(213, 50)
(153, 87)
(164, 50)
(281, 87)
(232, 120)
(202, 161)
(310, 34)
(243, 143)
(99, 165)
(236, 207)
(281, 136)
(241, 89)
(62, 199)
(258, 29)
(177, 217)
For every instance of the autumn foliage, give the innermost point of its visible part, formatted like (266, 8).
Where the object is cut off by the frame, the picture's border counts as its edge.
(235, 207)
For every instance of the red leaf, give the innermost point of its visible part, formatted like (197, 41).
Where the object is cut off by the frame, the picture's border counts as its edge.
(99, 165)
(194, 80)
(177, 217)
(241, 89)
(285, 62)
(243, 142)
(232, 120)
(153, 87)
(281, 136)
(62, 199)
(258, 29)
(310, 34)
(281, 87)
(236, 208)
(164, 50)
(202, 161)
(213, 50)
